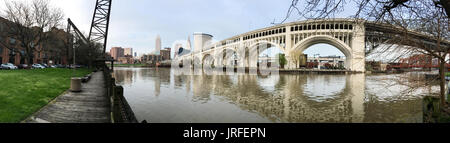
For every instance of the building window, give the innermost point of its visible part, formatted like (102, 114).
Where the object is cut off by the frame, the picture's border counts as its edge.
(12, 41)
(1, 52)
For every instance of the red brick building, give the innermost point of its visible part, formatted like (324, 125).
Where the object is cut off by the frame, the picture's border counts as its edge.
(54, 52)
(417, 61)
(127, 59)
(165, 54)
(117, 52)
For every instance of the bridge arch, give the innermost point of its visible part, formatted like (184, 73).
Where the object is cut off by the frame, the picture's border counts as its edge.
(208, 61)
(252, 57)
(319, 39)
(223, 57)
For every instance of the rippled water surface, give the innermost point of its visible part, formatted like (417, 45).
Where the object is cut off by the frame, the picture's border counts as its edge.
(160, 96)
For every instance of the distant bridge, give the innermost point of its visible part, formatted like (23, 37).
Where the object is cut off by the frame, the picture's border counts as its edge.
(353, 37)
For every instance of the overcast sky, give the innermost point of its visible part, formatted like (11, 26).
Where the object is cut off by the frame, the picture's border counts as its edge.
(136, 23)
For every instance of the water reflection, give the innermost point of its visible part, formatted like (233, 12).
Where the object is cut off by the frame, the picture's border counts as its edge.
(158, 95)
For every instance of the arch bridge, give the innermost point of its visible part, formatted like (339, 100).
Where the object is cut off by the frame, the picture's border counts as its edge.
(353, 37)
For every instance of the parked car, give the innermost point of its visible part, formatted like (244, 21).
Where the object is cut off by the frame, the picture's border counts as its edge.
(53, 66)
(9, 66)
(23, 66)
(37, 66)
(60, 66)
(44, 65)
(76, 66)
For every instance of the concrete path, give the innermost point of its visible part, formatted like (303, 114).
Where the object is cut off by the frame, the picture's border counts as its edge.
(89, 106)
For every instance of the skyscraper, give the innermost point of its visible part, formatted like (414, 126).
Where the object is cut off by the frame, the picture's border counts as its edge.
(158, 45)
(188, 46)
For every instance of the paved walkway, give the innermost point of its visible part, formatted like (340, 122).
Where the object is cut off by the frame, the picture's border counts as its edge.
(89, 106)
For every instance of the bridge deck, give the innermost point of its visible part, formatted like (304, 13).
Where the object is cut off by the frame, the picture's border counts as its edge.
(315, 71)
(89, 106)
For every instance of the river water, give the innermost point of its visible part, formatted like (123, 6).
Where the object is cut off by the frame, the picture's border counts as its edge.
(160, 96)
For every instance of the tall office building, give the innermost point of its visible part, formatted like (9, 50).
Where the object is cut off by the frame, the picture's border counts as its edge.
(189, 46)
(116, 52)
(158, 45)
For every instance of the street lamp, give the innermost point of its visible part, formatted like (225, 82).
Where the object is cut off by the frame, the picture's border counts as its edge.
(75, 85)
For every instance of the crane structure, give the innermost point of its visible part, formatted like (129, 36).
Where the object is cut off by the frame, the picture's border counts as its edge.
(100, 22)
(99, 27)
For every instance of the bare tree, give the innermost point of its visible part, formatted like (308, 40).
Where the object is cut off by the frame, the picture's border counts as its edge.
(410, 22)
(29, 24)
(58, 43)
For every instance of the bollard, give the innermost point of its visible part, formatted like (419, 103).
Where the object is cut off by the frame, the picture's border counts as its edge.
(75, 84)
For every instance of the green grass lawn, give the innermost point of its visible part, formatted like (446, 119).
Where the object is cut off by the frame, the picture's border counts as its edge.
(23, 92)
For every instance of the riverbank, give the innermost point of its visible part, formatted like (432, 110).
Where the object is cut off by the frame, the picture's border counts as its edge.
(128, 65)
(23, 92)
